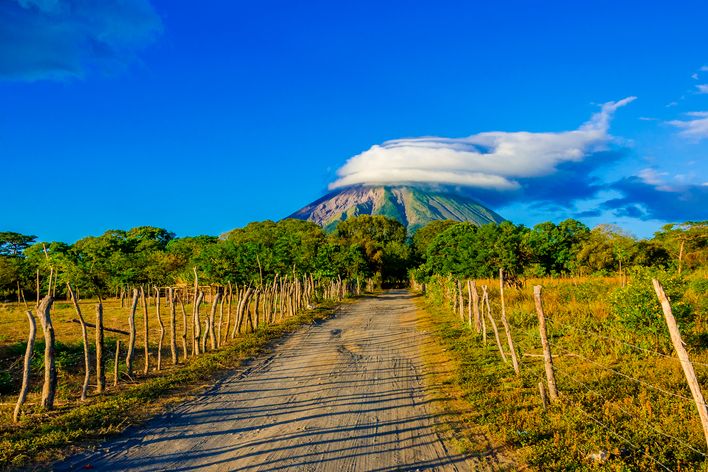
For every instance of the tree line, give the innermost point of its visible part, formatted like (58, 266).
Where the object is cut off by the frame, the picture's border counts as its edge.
(119, 260)
(550, 249)
(361, 247)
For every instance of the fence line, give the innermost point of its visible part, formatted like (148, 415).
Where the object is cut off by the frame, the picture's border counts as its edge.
(622, 374)
(269, 303)
(450, 295)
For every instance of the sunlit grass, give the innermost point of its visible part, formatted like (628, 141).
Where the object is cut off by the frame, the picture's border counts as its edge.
(45, 436)
(624, 416)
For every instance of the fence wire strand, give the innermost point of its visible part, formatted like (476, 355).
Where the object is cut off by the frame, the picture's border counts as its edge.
(646, 423)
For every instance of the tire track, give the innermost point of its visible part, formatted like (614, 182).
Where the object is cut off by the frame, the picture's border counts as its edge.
(343, 395)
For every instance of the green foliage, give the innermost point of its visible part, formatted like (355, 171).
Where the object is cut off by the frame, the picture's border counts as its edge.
(687, 243)
(584, 292)
(381, 240)
(554, 247)
(466, 250)
(637, 308)
(424, 236)
(607, 249)
(12, 244)
(569, 247)
(360, 247)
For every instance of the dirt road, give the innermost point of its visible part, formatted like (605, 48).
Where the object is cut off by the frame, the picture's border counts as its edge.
(343, 395)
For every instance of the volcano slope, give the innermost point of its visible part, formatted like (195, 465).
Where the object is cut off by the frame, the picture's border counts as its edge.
(343, 395)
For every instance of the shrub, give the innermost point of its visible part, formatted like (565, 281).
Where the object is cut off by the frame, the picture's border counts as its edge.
(637, 308)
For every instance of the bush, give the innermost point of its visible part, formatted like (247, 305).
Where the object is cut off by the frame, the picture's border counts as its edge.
(637, 308)
(585, 292)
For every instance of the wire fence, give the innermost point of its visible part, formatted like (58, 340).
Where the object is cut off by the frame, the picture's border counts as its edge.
(611, 364)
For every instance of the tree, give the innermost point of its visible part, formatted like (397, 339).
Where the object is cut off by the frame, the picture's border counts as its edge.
(382, 240)
(554, 247)
(12, 263)
(13, 244)
(686, 242)
(466, 250)
(425, 235)
(609, 249)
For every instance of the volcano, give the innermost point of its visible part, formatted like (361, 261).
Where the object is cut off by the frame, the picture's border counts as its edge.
(414, 207)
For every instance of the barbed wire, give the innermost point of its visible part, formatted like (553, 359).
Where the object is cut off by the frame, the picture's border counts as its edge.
(667, 435)
(623, 438)
(634, 379)
(620, 341)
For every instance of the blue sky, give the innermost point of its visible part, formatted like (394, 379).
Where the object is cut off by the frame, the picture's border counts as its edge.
(122, 113)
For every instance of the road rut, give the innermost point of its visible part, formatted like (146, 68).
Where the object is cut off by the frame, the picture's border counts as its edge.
(342, 395)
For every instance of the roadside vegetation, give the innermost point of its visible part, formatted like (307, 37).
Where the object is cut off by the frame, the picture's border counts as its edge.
(624, 403)
(613, 356)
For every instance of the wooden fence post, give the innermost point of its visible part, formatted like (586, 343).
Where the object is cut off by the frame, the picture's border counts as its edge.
(196, 324)
(115, 363)
(100, 363)
(27, 366)
(547, 357)
(475, 305)
(162, 328)
(173, 325)
(505, 322)
(185, 327)
(461, 301)
(84, 337)
(485, 299)
(50, 370)
(683, 356)
(146, 330)
(131, 338)
(221, 320)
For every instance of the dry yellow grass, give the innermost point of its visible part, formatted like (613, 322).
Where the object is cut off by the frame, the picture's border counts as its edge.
(631, 403)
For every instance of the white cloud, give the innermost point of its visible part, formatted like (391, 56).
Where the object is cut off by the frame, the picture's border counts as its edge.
(491, 160)
(695, 128)
(704, 69)
(694, 76)
(702, 88)
(651, 176)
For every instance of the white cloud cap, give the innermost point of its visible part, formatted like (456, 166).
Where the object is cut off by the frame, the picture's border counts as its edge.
(486, 160)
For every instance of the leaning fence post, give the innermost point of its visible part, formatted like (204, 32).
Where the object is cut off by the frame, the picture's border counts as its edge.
(547, 357)
(683, 356)
(474, 304)
(485, 299)
(505, 322)
(26, 370)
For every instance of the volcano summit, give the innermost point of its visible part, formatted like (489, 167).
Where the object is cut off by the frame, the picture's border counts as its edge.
(413, 206)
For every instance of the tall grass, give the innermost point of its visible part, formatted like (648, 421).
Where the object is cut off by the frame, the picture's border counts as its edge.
(624, 402)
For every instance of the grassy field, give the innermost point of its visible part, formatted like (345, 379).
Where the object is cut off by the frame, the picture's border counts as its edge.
(13, 336)
(44, 436)
(624, 401)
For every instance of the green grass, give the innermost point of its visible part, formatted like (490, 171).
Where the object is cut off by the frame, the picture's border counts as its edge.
(43, 437)
(599, 410)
